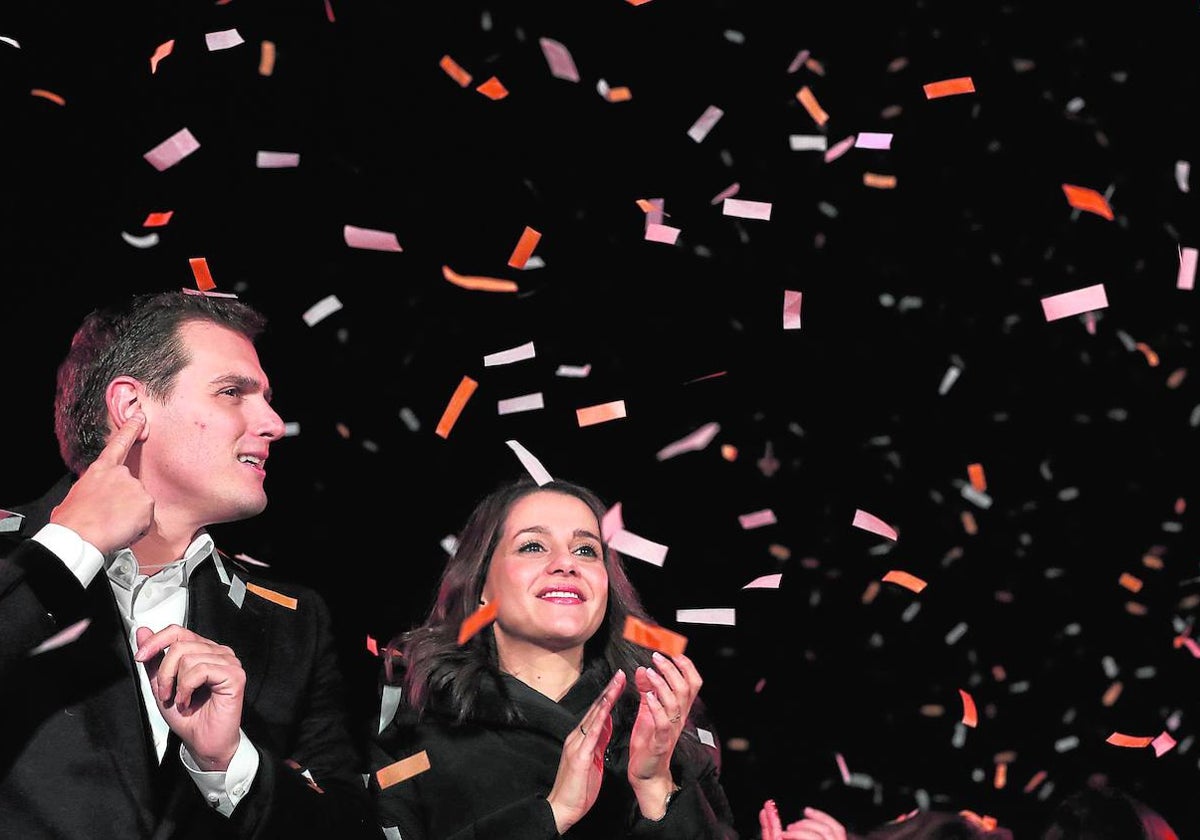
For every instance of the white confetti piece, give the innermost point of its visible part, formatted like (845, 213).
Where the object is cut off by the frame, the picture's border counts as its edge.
(409, 418)
(62, 637)
(977, 497)
(525, 402)
(873, 140)
(513, 354)
(321, 310)
(956, 632)
(147, 241)
(808, 142)
(172, 150)
(708, 615)
(662, 233)
(291, 428)
(10, 522)
(532, 465)
(744, 209)
(237, 591)
(765, 582)
(693, 442)
(757, 519)
(246, 558)
(220, 567)
(562, 65)
(791, 309)
(1075, 302)
(704, 124)
(573, 371)
(705, 737)
(276, 160)
(948, 379)
(630, 543)
(223, 40)
(872, 523)
(8, 40)
(1183, 171)
(1186, 278)
(388, 706)
(369, 239)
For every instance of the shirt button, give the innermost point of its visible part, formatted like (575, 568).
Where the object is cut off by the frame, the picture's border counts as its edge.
(239, 789)
(213, 799)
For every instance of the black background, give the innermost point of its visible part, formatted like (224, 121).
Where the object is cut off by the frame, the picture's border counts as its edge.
(1088, 447)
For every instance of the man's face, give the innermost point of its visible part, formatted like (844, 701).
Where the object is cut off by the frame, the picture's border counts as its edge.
(206, 445)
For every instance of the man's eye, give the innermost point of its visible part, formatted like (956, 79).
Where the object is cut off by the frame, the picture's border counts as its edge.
(232, 392)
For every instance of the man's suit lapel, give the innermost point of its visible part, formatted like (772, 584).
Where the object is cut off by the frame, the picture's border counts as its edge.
(213, 615)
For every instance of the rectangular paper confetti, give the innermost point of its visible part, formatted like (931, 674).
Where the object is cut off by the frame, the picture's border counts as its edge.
(321, 310)
(1186, 279)
(525, 245)
(454, 71)
(757, 519)
(172, 150)
(600, 413)
(222, 40)
(704, 124)
(558, 57)
(62, 637)
(949, 87)
(765, 582)
(654, 637)
(809, 101)
(1118, 739)
(403, 769)
(970, 717)
(872, 523)
(513, 354)
(371, 240)
(744, 209)
(476, 621)
(204, 280)
(10, 522)
(708, 615)
(873, 140)
(526, 402)
(908, 581)
(693, 442)
(273, 596)
(808, 142)
(1077, 302)
(627, 542)
(1087, 199)
(276, 160)
(160, 52)
(532, 465)
(662, 233)
(791, 309)
(158, 219)
(458, 401)
(266, 58)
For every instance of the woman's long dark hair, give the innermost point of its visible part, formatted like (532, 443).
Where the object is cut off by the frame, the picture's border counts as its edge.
(432, 663)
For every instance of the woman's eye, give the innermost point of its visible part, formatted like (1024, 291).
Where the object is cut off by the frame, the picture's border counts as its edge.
(588, 551)
(530, 546)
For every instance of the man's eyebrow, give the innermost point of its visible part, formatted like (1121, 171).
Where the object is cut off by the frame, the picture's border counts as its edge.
(244, 383)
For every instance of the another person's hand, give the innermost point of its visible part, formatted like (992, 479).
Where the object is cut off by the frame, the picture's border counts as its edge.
(199, 686)
(581, 768)
(108, 506)
(666, 692)
(816, 825)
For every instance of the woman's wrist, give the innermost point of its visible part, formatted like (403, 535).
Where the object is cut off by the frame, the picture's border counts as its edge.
(654, 799)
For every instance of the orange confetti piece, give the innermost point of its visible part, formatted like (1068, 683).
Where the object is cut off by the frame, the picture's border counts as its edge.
(372, 645)
(1151, 356)
(493, 89)
(1130, 582)
(975, 473)
(204, 280)
(1118, 739)
(1176, 378)
(600, 413)
(454, 408)
(969, 716)
(403, 769)
(871, 591)
(814, 66)
(158, 219)
(1035, 780)
(729, 452)
(911, 582)
(949, 87)
(476, 621)
(648, 206)
(881, 182)
(455, 71)
(525, 245)
(968, 523)
(809, 101)
(1153, 561)
(637, 2)
(654, 637)
(160, 52)
(618, 94)
(1112, 694)
(1134, 608)
(982, 821)
(45, 94)
(272, 596)
(478, 284)
(1083, 198)
(1001, 778)
(266, 58)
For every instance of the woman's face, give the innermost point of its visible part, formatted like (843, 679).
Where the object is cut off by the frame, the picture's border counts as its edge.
(547, 575)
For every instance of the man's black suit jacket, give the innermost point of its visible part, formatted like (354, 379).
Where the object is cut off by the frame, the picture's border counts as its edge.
(76, 756)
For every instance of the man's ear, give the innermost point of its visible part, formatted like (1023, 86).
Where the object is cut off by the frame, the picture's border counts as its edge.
(126, 397)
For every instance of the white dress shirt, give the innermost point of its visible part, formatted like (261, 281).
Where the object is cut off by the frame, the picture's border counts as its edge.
(156, 601)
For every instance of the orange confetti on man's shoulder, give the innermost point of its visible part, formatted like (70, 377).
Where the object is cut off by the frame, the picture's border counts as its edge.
(466, 387)
(949, 87)
(525, 245)
(809, 100)
(403, 769)
(455, 71)
(493, 89)
(902, 578)
(1085, 198)
(1118, 739)
(204, 280)
(652, 636)
(478, 284)
(476, 621)
(273, 596)
(970, 716)
(46, 94)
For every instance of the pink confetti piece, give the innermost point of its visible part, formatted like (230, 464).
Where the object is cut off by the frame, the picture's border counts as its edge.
(507, 357)
(246, 558)
(704, 124)
(743, 209)
(600, 413)
(62, 637)
(172, 150)
(276, 160)
(872, 523)
(1186, 279)
(1162, 743)
(798, 61)
(372, 240)
(630, 543)
(791, 309)
(662, 233)
(765, 582)
(873, 140)
(708, 615)
(223, 40)
(840, 148)
(534, 467)
(843, 768)
(757, 519)
(562, 65)
(1190, 644)
(160, 52)
(731, 190)
(655, 215)
(526, 402)
(1074, 303)
(612, 522)
(693, 442)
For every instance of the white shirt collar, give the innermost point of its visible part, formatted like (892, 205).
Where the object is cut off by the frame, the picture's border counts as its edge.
(122, 566)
